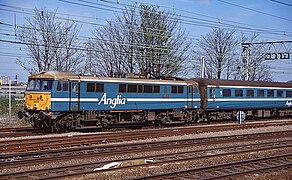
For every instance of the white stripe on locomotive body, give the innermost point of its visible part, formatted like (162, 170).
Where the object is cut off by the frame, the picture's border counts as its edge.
(74, 99)
(249, 87)
(162, 99)
(173, 99)
(128, 99)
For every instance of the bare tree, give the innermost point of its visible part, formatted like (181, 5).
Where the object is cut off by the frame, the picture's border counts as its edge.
(253, 66)
(218, 47)
(51, 44)
(144, 40)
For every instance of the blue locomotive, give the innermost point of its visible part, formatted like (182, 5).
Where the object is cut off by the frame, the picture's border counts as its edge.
(62, 101)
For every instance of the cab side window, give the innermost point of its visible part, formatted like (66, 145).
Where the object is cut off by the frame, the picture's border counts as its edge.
(59, 86)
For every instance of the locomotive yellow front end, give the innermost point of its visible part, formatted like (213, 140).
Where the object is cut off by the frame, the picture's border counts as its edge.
(37, 101)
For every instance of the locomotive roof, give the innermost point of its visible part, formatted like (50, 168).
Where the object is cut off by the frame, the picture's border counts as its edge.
(54, 75)
(217, 82)
(70, 75)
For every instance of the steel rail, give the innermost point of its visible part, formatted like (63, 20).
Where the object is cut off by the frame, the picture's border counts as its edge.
(106, 150)
(62, 142)
(87, 168)
(230, 170)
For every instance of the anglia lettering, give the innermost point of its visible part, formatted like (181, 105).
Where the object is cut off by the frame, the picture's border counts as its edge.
(113, 102)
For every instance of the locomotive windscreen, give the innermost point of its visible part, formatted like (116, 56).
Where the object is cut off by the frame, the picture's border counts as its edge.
(39, 85)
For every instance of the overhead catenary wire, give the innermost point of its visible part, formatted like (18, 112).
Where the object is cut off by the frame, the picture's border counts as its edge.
(65, 18)
(194, 13)
(254, 10)
(283, 3)
(206, 24)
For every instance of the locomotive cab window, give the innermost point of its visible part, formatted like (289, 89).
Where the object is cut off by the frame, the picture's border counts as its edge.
(46, 85)
(65, 86)
(59, 86)
(40, 84)
(226, 92)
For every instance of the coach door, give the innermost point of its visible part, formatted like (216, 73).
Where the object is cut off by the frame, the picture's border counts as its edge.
(190, 96)
(74, 96)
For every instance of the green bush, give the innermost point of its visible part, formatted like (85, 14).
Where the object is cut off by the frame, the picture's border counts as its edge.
(16, 105)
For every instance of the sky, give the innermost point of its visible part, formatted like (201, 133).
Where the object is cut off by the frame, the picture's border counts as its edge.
(272, 18)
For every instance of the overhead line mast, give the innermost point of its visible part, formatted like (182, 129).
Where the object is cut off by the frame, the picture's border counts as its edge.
(276, 50)
(273, 50)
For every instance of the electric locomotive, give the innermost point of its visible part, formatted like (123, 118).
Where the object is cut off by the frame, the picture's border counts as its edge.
(62, 101)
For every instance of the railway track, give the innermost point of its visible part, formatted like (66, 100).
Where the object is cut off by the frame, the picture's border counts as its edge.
(16, 132)
(45, 143)
(110, 150)
(161, 159)
(232, 169)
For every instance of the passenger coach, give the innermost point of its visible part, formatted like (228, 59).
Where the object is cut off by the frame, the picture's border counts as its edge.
(222, 99)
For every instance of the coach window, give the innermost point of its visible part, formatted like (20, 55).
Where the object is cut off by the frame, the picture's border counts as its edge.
(260, 93)
(90, 87)
(211, 92)
(249, 93)
(59, 86)
(132, 88)
(226, 92)
(238, 92)
(280, 93)
(270, 93)
(288, 93)
(99, 87)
